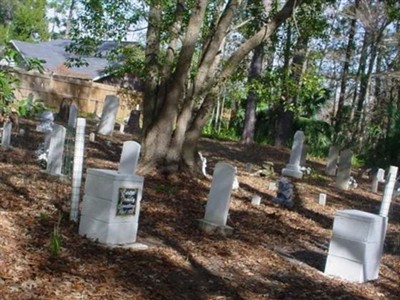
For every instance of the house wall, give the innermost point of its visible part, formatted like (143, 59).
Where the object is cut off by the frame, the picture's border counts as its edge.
(87, 94)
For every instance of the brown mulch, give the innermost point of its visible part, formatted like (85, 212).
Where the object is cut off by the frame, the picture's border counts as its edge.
(274, 252)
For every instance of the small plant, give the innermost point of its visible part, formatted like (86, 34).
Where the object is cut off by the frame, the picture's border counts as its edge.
(43, 217)
(165, 189)
(55, 239)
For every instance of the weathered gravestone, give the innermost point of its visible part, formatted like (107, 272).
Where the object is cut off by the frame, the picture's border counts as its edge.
(285, 193)
(56, 149)
(6, 136)
(129, 157)
(293, 168)
(378, 176)
(356, 247)
(344, 169)
(219, 200)
(92, 137)
(255, 200)
(107, 121)
(332, 161)
(134, 118)
(303, 159)
(388, 192)
(73, 115)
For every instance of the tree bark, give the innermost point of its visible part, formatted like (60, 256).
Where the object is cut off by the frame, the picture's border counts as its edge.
(251, 105)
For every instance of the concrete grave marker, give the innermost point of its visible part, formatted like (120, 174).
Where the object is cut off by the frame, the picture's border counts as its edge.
(377, 177)
(322, 199)
(255, 200)
(77, 168)
(73, 115)
(332, 161)
(355, 249)
(129, 157)
(6, 136)
(92, 137)
(56, 149)
(219, 200)
(293, 167)
(388, 192)
(344, 170)
(108, 115)
(303, 159)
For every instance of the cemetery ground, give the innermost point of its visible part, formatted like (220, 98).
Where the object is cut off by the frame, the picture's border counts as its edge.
(274, 252)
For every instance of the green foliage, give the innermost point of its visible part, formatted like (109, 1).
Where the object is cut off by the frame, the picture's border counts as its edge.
(29, 21)
(318, 135)
(224, 134)
(56, 239)
(9, 82)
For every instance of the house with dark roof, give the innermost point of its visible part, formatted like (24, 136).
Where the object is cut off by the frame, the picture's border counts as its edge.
(55, 58)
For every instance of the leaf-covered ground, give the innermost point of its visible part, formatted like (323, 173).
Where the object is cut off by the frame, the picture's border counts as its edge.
(274, 253)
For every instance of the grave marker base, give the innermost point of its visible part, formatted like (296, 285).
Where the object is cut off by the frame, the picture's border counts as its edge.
(209, 227)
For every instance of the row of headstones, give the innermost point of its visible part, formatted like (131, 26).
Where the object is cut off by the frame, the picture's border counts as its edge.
(356, 246)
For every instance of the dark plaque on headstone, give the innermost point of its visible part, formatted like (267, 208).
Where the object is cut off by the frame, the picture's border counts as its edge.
(127, 198)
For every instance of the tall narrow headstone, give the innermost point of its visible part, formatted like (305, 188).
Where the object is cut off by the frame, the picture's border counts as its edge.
(303, 159)
(6, 137)
(129, 157)
(388, 192)
(332, 161)
(110, 109)
(376, 178)
(73, 115)
(219, 199)
(77, 168)
(344, 169)
(56, 149)
(293, 167)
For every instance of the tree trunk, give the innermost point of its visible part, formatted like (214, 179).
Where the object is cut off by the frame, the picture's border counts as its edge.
(251, 105)
(345, 72)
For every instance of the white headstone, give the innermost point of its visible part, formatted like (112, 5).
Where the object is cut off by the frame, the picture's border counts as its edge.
(379, 176)
(92, 137)
(344, 170)
(322, 199)
(129, 157)
(121, 128)
(73, 115)
(255, 200)
(332, 161)
(56, 149)
(388, 192)
(77, 168)
(293, 168)
(219, 197)
(6, 136)
(356, 247)
(108, 115)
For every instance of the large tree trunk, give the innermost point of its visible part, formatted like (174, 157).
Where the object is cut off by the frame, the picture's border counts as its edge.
(251, 105)
(171, 138)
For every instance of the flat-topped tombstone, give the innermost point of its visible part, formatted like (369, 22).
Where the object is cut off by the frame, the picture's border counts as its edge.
(6, 136)
(219, 199)
(73, 115)
(293, 167)
(129, 157)
(344, 169)
(332, 161)
(110, 109)
(356, 247)
(322, 199)
(56, 149)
